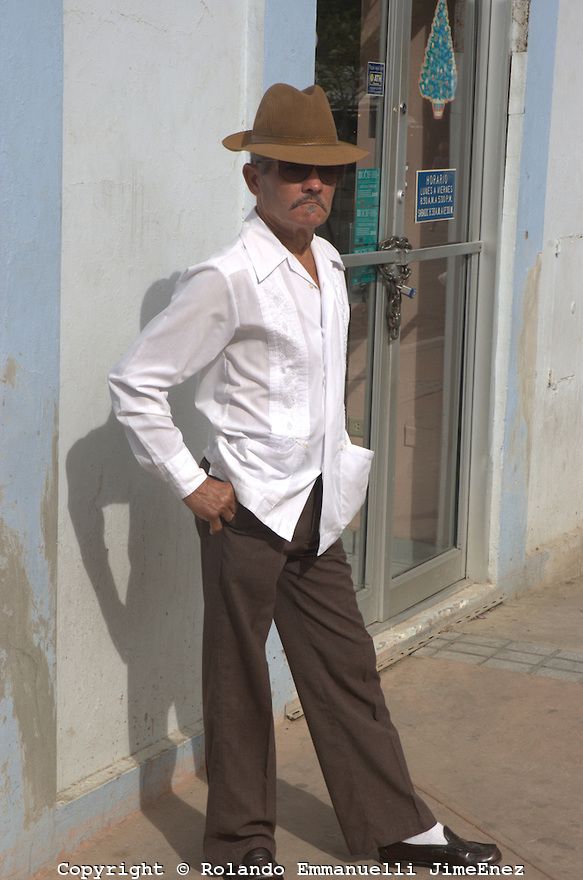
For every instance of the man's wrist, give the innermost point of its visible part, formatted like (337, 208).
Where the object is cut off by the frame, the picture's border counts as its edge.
(196, 488)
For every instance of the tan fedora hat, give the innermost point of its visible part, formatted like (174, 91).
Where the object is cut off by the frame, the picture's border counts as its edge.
(295, 126)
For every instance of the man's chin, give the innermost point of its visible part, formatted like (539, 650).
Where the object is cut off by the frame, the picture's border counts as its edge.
(310, 215)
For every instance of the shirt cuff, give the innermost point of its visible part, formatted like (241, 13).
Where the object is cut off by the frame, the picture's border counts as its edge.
(183, 473)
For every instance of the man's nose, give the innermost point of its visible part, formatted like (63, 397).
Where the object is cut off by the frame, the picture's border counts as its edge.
(312, 181)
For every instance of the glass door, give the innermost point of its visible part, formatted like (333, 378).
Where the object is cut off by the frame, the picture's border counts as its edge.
(400, 75)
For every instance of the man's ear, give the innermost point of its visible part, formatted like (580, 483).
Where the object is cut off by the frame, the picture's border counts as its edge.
(251, 174)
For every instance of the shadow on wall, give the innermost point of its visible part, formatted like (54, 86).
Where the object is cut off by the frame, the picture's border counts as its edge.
(157, 628)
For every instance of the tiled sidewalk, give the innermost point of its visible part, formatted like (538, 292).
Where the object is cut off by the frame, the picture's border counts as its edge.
(496, 754)
(533, 659)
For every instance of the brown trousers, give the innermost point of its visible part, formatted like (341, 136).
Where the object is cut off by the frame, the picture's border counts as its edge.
(251, 576)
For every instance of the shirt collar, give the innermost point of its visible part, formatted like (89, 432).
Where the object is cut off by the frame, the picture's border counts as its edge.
(266, 251)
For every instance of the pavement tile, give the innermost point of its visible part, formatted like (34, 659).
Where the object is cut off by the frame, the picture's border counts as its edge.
(519, 657)
(484, 640)
(530, 648)
(567, 665)
(559, 673)
(450, 636)
(460, 657)
(467, 648)
(425, 651)
(570, 655)
(493, 663)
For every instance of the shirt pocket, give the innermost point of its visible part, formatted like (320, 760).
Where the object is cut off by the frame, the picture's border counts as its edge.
(355, 464)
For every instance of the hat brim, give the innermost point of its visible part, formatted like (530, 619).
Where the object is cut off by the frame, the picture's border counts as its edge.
(340, 153)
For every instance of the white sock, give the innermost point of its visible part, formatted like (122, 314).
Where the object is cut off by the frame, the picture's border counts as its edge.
(433, 837)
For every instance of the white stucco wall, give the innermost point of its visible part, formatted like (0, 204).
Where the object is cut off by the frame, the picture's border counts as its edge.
(556, 477)
(537, 458)
(150, 90)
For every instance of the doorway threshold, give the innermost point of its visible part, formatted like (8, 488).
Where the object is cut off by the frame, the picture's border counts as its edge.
(397, 638)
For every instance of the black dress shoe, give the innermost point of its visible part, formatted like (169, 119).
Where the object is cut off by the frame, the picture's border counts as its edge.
(262, 858)
(457, 852)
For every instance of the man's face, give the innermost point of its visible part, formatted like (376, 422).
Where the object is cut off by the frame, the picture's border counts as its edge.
(290, 207)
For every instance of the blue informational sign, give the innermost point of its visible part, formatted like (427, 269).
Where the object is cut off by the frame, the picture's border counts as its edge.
(435, 197)
(375, 78)
(366, 221)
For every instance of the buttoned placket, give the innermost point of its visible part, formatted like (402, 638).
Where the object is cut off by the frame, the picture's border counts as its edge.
(314, 287)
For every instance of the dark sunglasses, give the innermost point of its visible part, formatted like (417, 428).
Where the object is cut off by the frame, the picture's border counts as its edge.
(295, 172)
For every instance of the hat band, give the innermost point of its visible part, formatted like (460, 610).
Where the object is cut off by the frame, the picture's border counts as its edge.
(293, 141)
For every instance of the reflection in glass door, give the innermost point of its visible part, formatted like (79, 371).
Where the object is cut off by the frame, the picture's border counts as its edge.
(426, 445)
(429, 202)
(400, 76)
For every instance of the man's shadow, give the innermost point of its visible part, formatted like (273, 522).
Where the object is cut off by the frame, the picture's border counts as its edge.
(155, 616)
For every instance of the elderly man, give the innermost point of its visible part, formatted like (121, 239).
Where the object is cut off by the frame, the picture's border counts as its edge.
(263, 323)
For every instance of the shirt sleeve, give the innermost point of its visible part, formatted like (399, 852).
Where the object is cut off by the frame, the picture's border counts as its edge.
(179, 342)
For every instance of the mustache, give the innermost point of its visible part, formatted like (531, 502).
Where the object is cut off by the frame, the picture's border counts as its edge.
(304, 200)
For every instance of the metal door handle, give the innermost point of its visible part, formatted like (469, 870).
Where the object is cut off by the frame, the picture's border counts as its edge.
(393, 310)
(394, 277)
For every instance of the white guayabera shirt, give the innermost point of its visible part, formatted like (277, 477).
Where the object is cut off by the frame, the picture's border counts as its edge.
(270, 354)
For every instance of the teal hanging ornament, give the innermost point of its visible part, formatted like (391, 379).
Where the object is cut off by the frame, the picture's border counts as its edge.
(438, 77)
